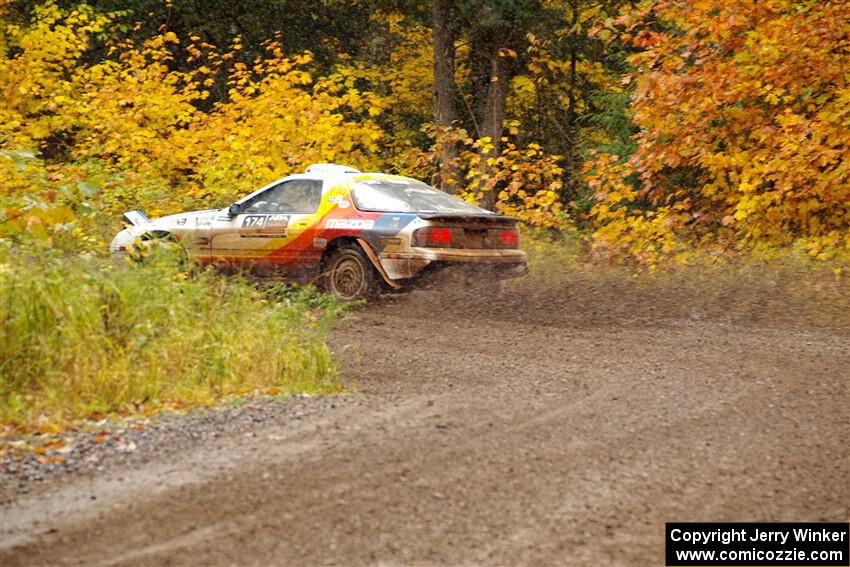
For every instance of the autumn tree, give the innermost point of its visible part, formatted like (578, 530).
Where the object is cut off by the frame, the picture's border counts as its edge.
(714, 122)
(570, 89)
(496, 35)
(528, 70)
(742, 110)
(133, 121)
(326, 28)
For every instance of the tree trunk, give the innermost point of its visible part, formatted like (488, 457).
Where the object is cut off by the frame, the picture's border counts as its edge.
(571, 139)
(492, 116)
(448, 175)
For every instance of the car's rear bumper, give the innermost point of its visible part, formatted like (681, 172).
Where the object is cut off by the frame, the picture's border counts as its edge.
(501, 263)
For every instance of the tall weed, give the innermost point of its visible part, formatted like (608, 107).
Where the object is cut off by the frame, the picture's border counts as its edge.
(88, 335)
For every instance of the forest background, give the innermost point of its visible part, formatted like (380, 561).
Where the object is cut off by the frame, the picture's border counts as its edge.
(649, 133)
(656, 127)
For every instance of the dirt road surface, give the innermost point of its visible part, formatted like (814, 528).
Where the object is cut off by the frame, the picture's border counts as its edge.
(546, 427)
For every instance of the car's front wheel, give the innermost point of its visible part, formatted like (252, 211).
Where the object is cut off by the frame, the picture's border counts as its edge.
(349, 275)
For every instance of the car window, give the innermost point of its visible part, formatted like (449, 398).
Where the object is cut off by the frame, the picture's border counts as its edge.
(403, 195)
(293, 196)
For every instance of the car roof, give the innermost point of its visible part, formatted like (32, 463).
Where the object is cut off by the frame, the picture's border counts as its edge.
(330, 168)
(325, 172)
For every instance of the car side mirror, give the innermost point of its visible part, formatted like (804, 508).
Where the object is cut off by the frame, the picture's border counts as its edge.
(234, 209)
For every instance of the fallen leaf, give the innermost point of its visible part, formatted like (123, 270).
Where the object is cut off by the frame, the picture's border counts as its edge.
(48, 428)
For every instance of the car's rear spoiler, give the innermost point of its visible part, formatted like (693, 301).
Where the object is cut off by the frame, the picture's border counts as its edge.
(486, 220)
(135, 218)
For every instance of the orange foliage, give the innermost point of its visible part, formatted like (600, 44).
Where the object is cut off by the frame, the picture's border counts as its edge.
(744, 117)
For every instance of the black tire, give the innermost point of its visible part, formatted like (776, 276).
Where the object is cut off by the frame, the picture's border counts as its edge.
(349, 275)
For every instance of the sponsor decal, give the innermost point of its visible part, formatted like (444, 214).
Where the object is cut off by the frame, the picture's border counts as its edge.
(277, 221)
(320, 243)
(389, 224)
(254, 221)
(341, 202)
(351, 224)
(181, 222)
(203, 221)
(264, 226)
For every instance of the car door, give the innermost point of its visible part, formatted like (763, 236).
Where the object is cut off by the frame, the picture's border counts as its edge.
(269, 231)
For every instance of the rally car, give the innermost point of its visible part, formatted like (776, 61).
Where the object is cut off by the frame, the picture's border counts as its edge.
(356, 232)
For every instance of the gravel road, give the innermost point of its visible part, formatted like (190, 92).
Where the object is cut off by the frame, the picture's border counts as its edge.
(546, 426)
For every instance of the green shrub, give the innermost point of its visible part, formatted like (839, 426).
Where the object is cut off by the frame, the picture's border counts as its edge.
(90, 335)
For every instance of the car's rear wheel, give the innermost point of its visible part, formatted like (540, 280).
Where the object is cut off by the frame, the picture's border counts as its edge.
(349, 275)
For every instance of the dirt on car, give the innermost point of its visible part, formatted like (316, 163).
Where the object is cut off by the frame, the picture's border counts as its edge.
(559, 422)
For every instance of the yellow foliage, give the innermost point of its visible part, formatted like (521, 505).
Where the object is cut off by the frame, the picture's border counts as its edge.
(551, 77)
(137, 117)
(133, 125)
(526, 180)
(405, 85)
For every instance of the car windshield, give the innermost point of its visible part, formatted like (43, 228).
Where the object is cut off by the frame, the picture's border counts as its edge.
(402, 195)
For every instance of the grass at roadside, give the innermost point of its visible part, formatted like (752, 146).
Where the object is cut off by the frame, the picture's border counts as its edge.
(87, 336)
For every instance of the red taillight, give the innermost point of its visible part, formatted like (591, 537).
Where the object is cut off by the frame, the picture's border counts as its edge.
(508, 238)
(439, 237)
